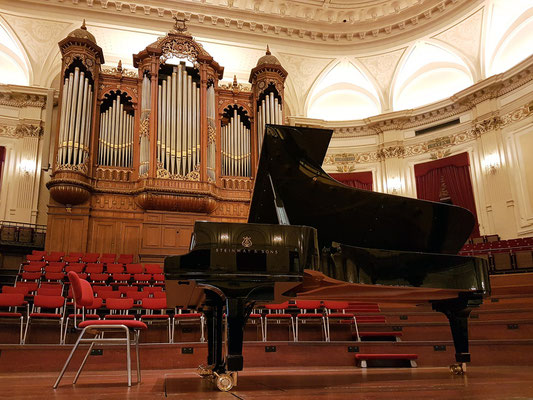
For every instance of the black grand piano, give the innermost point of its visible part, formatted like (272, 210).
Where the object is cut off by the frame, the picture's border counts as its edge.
(311, 237)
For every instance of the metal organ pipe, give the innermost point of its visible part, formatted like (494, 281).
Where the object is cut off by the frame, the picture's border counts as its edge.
(235, 141)
(178, 123)
(116, 136)
(76, 112)
(145, 119)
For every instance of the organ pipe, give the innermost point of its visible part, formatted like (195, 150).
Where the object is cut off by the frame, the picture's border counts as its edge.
(269, 111)
(144, 157)
(116, 136)
(179, 127)
(211, 130)
(235, 142)
(76, 113)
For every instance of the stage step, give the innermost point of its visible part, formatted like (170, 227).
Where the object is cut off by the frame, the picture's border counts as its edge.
(378, 336)
(385, 360)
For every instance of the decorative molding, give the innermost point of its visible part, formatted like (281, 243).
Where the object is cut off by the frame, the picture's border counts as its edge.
(21, 100)
(21, 131)
(28, 130)
(277, 18)
(120, 71)
(437, 147)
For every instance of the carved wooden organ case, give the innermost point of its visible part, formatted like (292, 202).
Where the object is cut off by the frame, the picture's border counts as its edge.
(141, 155)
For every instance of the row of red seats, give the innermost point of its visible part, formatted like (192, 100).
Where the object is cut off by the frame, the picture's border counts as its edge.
(511, 244)
(149, 274)
(74, 257)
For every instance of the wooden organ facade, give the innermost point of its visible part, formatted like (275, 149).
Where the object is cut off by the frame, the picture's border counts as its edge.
(141, 155)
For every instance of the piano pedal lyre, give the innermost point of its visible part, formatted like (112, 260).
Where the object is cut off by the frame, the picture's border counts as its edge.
(458, 369)
(226, 381)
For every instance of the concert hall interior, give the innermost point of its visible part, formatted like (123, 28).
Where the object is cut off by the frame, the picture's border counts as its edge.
(321, 198)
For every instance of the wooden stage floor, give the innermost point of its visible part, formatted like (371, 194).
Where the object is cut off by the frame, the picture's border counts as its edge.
(283, 383)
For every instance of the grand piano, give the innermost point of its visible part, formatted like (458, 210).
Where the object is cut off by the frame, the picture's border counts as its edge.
(311, 237)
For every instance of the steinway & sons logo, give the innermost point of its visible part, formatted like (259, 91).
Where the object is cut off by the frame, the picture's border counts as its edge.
(246, 244)
(247, 241)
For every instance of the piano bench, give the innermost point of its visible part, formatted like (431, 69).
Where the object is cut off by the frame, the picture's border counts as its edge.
(383, 360)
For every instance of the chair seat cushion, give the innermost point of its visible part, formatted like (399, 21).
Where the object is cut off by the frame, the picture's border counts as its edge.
(133, 324)
(116, 316)
(255, 315)
(278, 316)
(155, 316)
(10, 314)
(310, 315)
(190, 315)
(45, 315)
(340, 315)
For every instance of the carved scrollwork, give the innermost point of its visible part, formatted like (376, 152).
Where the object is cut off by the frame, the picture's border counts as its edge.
(83, 168)
(87, 61)
(144, 128)
(179, 48)
(193, 175)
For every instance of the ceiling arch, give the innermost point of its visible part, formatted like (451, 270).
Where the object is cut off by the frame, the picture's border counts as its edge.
(15, 67)
(343, 92)
(514, 45)
(428, 72)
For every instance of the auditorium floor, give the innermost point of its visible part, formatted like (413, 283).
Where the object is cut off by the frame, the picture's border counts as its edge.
(283, 383)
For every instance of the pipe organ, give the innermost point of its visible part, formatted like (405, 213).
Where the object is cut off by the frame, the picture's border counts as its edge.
(142, 154)
(178, 123)
(235, 152)
(116, 136)
(76, 114)
(268, 112)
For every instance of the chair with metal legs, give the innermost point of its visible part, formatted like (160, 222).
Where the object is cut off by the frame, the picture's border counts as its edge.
(83, 297)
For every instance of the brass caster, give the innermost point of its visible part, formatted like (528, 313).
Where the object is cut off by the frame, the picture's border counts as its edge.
(458, 369)
(225, 381)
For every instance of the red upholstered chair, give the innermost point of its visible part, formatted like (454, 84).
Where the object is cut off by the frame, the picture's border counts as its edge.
(42, 311)
(134, 268)
(187, 316)
(336, 311)
(83, 296)
(12, 301)
(125, 258)
(82, 314)
(277, 313)
(34, 257)
(152, 305)
(119, 308)
(90, 257)
(309, 312)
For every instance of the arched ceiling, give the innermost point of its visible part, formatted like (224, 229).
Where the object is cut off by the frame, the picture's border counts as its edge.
(403, 53)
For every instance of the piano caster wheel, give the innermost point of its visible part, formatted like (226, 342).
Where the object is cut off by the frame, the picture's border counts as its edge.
(226, 381)
(458, 369)
(205, 372)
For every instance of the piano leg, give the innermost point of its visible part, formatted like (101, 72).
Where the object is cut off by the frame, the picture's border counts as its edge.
(458, 311)
(213, 315)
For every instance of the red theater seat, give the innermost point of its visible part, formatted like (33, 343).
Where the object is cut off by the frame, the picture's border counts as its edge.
(13, 301)
(151, 317)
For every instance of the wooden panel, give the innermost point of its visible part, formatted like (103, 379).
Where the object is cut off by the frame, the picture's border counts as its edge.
(152, 217)
(104, 234)
(170, 236)
(55, 234)
(184, 236)
(76, 235)
(151, 236)
(130, 238)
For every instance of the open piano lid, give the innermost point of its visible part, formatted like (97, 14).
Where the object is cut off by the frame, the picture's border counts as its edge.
(290, 164)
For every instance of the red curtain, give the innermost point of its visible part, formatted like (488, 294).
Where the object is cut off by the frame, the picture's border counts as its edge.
(456, 174)
(359, 180)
